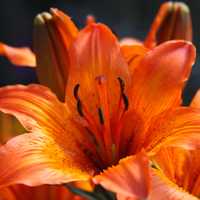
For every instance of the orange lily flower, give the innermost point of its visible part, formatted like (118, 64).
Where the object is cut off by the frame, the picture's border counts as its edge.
(45, 192)
(108, 115)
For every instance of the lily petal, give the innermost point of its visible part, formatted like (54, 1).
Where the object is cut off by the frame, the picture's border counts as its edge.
(172, 22)
(35, 106)
(164, 189)
(41, 112)
(180, 127)
(18, 56)
(161, 77)
(129, 178)
(196, 100)
(133, 55)
(36, 159)
(177, 167)
(53, 35)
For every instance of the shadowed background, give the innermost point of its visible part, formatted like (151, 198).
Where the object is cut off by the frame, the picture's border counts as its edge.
(125, 17)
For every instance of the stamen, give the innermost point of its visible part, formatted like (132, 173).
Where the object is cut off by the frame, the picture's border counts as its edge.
(122, 84)
(76, 89)
(91, 124)
(101, 117)
(125, 100)
(79, 108)
(124, 97)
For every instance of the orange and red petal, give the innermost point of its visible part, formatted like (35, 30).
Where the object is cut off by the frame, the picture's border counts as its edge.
(159, 80)
(129, 178)
(22, 56)
(65, 25)
(164, 189)
(180, 127)
(177, 167)
(35, 159)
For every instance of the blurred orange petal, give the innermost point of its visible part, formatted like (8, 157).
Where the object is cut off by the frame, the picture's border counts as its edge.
(22, 56)
(129, 178)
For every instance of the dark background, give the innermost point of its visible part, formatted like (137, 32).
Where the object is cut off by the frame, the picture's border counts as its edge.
(125, 17)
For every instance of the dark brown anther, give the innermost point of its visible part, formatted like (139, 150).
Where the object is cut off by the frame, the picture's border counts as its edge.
(126, 102)
(76, 89)
(101, 117)
(122, 84)
(79, 108)
(124, 97)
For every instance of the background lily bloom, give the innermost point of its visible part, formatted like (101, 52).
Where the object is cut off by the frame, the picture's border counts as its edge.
(108, 115)
(172, 22)
(45, 192)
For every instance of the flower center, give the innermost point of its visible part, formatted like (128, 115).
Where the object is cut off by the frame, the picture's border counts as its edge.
(105, 131)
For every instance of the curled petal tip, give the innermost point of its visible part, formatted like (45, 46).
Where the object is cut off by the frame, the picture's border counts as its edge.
(42, 18)
(90, 19)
